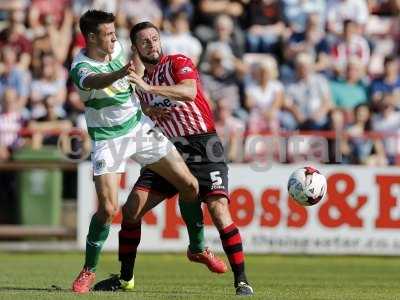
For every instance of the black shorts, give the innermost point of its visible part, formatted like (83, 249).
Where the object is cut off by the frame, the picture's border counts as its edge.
(204, 156)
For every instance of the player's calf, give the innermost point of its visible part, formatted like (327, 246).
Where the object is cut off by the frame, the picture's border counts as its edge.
(107, 195)
(219, 210)
(231, 242)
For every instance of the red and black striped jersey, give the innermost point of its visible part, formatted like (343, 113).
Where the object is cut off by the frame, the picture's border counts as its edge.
(188, 117)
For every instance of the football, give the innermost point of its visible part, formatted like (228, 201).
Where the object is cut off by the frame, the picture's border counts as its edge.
(307, 186)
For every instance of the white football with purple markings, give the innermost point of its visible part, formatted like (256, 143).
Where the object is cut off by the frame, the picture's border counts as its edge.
(307, 186)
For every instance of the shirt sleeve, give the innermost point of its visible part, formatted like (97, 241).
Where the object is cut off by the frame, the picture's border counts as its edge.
(183, 68)
(79, 73)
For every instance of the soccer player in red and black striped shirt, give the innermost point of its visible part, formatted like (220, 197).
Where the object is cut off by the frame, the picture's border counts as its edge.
(171, 94)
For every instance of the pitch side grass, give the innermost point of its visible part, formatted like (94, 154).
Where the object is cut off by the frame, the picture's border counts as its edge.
(171, 276)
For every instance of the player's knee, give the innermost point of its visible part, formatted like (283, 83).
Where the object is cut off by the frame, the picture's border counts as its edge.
(191, 190)
(107, 212)
(194, 187)
(111, 211)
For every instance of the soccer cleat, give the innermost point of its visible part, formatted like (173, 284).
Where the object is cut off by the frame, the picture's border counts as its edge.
(84, 281)
(213, 262)
(244, 289)
(114, 283)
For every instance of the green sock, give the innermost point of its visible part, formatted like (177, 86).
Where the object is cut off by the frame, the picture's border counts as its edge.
(95, 239)
(193, 217)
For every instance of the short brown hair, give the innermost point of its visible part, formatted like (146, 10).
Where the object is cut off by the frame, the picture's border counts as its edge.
(91, 19)
(139, 27)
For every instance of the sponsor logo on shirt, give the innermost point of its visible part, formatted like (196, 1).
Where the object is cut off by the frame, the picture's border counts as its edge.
(163, 102)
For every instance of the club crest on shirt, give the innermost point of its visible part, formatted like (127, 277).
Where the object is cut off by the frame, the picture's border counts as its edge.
(83, 72)
(100, 165)
(185, 70)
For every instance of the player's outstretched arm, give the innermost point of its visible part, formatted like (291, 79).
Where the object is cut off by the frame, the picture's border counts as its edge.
(185, 90)
(103, 80)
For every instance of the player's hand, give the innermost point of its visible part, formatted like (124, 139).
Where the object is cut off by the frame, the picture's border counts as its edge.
(159, 113)
(128, 68)
(138, 81)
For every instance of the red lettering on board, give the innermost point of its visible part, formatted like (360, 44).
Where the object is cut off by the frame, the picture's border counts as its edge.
(242, 206)
(337, 199)
(387, 202)
(271, 214)
(297, 214)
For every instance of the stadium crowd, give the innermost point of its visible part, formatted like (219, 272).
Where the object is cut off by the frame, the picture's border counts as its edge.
(269, 67)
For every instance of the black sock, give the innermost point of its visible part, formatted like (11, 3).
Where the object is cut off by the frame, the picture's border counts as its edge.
(129, 239)
(127, 269)
(240, 277)
(232, 244)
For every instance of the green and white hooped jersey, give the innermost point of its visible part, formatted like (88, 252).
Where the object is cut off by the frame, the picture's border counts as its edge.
(110, 112)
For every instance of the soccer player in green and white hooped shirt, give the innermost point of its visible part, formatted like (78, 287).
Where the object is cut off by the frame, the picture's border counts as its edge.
(118, 130)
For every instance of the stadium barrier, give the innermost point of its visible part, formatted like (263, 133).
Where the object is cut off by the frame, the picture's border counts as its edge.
(359, 215)
(35, 231)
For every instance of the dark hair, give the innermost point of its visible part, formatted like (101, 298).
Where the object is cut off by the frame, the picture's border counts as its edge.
(348, 22)
(180, 14)
(368, 123)
(91, 19)
(389, 59)
(139, 27)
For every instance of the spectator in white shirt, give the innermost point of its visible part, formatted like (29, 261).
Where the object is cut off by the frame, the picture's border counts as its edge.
(309, 98)
(387, 122)
(50, 82)
(179, 38)
(264, 96)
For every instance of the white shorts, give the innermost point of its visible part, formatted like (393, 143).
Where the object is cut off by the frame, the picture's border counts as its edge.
(144, 144)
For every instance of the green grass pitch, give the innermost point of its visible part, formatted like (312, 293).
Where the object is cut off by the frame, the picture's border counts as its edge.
(172, 276)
